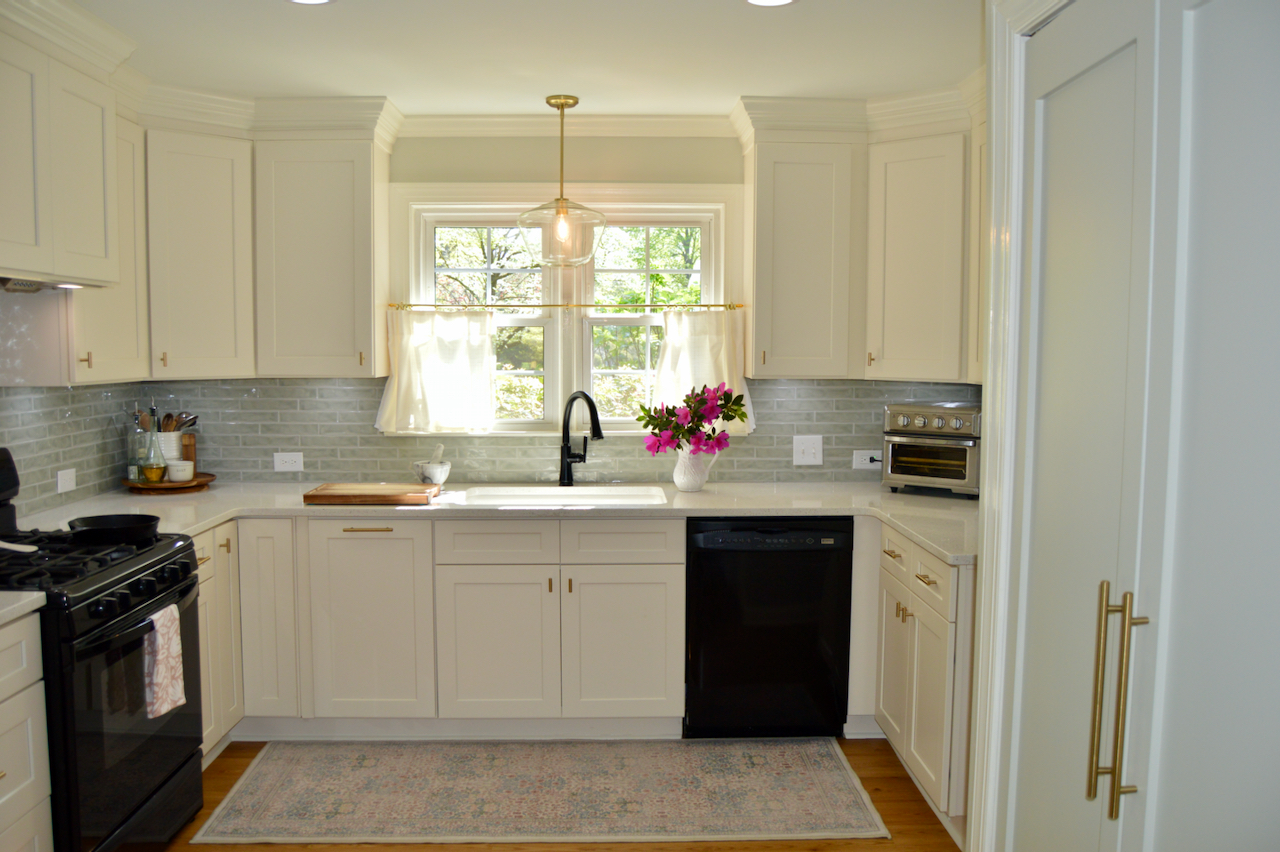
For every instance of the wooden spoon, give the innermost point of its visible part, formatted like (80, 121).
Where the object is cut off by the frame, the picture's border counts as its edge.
(166, 422)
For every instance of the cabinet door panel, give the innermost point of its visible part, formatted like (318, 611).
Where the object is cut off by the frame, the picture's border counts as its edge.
(803, 207)
(623, 633)
(26, 221)
(499, 641)
(371, 621)
(200, 242)
(226, 558)
(24, 753)
(497, 542)
(892, 660)
(267, 589)
(915, 258)
(207, 613)
(622, 542)
(82, 125)
(929, 733)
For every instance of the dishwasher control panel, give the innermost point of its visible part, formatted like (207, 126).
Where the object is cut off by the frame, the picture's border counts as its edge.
(766, 539)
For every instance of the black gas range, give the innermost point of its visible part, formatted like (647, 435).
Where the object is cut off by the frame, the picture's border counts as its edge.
(124, 773)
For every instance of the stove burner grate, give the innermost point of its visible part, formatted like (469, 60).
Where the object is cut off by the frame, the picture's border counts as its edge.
(59, 560)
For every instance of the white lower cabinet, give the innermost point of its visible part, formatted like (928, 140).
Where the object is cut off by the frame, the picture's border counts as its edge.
(31, 832)
(268, 587)
(25, 821)
(372, 625)
(221, 662)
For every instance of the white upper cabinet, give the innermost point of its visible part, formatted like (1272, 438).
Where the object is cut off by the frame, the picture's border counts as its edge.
(802, 207)
(979, 261)
(200, 241)
(322, 285)
(58, 168)
(110, 331)
(915, 259)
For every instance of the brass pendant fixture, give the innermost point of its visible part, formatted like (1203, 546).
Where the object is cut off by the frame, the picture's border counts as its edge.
(561, 232)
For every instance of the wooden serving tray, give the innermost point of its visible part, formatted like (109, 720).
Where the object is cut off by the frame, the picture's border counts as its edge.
(371, 493)
(198, 483)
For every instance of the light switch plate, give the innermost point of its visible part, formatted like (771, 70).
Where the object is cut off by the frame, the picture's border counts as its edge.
(806, 449)
(66, 480)
(868, 459)
(288, 461)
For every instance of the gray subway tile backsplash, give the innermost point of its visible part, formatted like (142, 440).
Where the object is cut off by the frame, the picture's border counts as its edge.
(330, 421)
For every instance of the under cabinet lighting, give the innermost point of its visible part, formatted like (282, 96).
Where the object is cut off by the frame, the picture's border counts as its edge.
(322, 2)
(752, 2)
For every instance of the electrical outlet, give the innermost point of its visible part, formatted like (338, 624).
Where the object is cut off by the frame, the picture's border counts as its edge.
(288, 461)
(806, 449)
(66, 480)
(868, 459)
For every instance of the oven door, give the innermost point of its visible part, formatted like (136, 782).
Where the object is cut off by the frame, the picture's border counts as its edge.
(932, 462)
(122, 757)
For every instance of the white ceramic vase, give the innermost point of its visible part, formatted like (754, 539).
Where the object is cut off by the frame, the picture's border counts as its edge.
(692, 470)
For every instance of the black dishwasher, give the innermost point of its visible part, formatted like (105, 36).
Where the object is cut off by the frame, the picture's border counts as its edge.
(767, 626)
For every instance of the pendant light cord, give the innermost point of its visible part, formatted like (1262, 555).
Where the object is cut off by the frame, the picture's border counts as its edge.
(561, 108)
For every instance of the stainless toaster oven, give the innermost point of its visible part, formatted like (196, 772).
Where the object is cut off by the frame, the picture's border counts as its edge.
(932, 445)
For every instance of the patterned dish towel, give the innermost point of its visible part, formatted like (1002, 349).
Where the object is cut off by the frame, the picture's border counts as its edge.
(162, 668)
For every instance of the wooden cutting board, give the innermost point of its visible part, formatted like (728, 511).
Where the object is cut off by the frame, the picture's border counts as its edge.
(370, 493)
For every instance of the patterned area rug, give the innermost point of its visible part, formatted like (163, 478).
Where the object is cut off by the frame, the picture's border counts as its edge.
(580, 791)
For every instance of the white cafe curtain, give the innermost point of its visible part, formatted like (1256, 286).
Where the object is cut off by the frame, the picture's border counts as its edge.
(442, 368)
(703, 348)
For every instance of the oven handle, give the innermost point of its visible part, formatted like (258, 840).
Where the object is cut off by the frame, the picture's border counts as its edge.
(95, 645)
(937, 442)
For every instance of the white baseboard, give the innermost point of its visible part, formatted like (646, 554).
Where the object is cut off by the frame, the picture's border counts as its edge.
(214, 752)
(955, 825)
(862, 728)
(268, 728)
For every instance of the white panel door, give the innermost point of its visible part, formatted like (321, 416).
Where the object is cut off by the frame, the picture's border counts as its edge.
(498, 633)
(930, 662)
(915, 258)
(802, 235)
(200, 242)
(372, 631)
(26, 213)
(230, 662)
(111, 326)
(1087, 287)
(892, 661)
(267, 591)
(82, 129)
(622, 628)
(318, 312)
(207, 616)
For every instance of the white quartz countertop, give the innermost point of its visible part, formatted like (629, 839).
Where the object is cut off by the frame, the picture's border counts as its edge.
(945, 526)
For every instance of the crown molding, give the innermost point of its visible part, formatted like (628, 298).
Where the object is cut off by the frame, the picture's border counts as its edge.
(1024, 17)
(831, 115)
(130, 87)
(681, 126)
(171, 103)
(69, 27)
(921, 108)
(375, 118)
(974, 91)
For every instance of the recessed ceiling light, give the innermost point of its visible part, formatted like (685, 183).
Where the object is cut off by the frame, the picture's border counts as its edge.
(752, 2)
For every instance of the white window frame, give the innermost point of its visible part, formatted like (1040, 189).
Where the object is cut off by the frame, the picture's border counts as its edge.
(416, 208)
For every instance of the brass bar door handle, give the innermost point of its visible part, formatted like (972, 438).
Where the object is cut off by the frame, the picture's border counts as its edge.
(549, 589)
(906, 613)
(1099, 674)
(897, 609)
(870, 358)
(350, 529)
(88, 360)
(200, 560)
(1127, 623)
(926, 579)
(226, 545)
(892, 554)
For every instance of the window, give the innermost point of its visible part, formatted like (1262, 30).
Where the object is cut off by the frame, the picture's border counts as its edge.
(462, 249)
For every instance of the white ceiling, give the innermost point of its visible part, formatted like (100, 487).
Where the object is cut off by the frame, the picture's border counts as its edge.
(503, 57)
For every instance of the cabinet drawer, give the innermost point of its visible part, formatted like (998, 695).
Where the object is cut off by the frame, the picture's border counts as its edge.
(33, 832)
(24, 753)
(897, 553)
(20, 664)
(497, 542)
(622, 542)
(932, 580)
(203, 544)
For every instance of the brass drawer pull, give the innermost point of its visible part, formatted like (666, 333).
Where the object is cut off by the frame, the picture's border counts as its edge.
(870, 358)
(570, 585)
(926, 579)
(200, 560)
(88, 360)
(226, 545)
(892, 554)
(361, 529)
(164, 358)
(549, 584)
(3, 773)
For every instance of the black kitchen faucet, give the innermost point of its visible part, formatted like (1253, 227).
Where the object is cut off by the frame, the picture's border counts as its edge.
(568, 457)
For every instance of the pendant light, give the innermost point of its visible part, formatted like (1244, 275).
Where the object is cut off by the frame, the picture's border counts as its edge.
(572, 231)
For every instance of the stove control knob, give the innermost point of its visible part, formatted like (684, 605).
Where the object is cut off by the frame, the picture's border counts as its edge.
(144, 587)
(921, 421)
(125, 600)
(939, 422)
(186, 568)
(904, 419)
(957, 423)
(166, 574)
(105, 608)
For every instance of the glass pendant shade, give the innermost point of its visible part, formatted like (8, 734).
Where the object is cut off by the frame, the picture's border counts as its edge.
(561, 232)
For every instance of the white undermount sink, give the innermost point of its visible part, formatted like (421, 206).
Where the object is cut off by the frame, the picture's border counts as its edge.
(577, 495)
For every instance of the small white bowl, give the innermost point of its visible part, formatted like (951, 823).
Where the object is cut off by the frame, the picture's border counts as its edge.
(181, 471)
(428, 472)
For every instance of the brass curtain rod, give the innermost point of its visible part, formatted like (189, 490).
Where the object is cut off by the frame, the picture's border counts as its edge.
(409, 306)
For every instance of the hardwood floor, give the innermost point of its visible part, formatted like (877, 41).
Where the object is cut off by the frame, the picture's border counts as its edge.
(905, 812)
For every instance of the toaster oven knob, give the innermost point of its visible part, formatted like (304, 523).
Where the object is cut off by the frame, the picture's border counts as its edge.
(904, 419)
(957, 423)
(921, 421)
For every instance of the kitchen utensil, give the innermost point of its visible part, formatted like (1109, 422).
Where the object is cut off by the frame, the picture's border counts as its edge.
(166, 422)
(18, 548)
(181, 471)
(438, 455)
(144, 420)
(432, 472)
(371, 493)
(185, 419)
(114, 529)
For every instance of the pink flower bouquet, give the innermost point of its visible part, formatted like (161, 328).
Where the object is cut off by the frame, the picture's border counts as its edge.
(692, 425)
